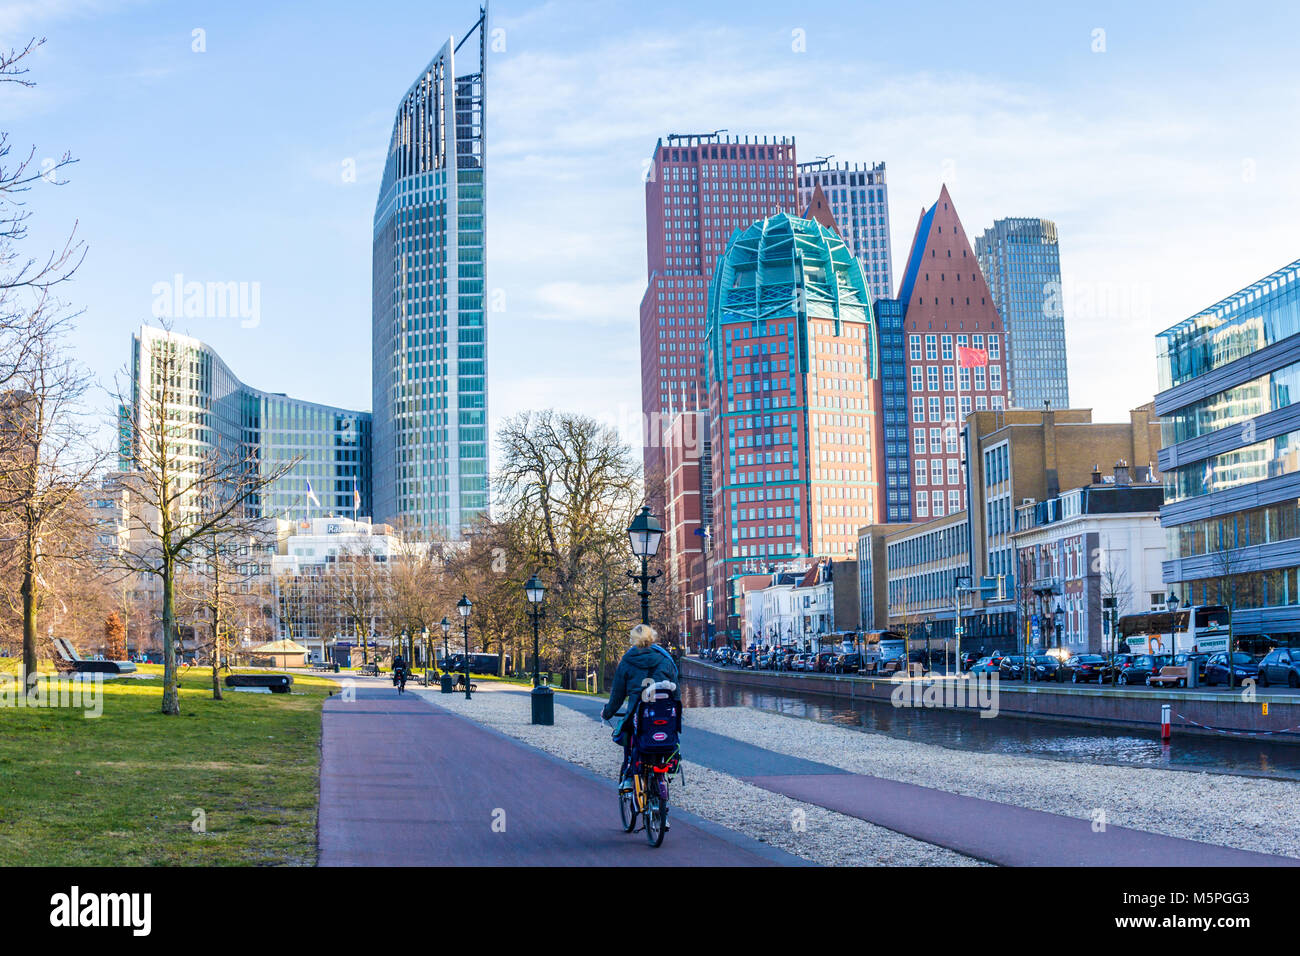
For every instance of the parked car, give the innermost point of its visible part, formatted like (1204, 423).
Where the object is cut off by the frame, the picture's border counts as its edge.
(824, 660)
(1084, 669)
(969, 659)
(1137, 668)
(984, 665)
(1012, 668)
(1243, 667)
(1044, 667)
(1174, 673)
(1280, 666)
(847, 664)
(996, 657)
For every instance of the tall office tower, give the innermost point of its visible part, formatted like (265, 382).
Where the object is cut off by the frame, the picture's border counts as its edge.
(1021, 262)
(1229, 406)
(429, 334)
(948, 309)
(794, 399)
(859, 199)
(699, 191)
(896, 494)
(330, 447)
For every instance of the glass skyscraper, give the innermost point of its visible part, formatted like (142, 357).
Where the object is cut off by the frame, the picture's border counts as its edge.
(329, 446)
(429, 334)
(1021, 262)
(1229, 411)
(859, 200)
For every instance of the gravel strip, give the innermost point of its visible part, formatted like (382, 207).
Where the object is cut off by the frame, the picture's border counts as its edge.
(811, 832)
(1249, 813)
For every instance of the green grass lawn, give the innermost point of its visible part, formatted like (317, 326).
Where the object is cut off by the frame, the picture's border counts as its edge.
(121, 789)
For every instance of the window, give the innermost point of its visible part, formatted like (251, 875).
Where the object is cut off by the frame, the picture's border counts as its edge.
(936, 440)
(918, 409)
(916, 378)
(947, 378)
(914, 344)
(995, 377)
(954, 501)
(918, 443)
(994, 348)
(937, 501)
(931, 348)
(922, 505)
(932, 377)
(934, 410)
(920, 471)
(947, 348)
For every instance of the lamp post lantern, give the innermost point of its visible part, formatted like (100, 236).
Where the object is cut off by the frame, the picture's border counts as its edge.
(543, 698)
(464, 606)
(645, 533)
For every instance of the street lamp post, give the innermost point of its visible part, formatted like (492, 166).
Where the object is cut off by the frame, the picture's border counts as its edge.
(543, 698)
(446, 630)
(929, 624)
(464, 606)
(1171, 605)
(424, 634)
(645, 533)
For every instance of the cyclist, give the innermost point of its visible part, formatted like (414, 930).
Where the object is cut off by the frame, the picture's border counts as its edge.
(645, 662)
(399, 670)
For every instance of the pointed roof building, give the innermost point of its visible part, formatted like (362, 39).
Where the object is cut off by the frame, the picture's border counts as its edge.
(819, 210)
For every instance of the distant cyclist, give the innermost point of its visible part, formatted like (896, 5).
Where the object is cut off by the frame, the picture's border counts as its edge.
(645, 662)
(399, 673)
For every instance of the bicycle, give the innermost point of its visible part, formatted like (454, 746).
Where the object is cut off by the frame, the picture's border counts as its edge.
(399, 679)
(648, 799)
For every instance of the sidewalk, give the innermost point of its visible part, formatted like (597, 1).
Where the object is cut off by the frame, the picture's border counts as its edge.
(998, 833)
(406, 783)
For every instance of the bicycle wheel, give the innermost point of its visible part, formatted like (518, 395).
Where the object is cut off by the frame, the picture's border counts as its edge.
(655, 811)
(627, 810)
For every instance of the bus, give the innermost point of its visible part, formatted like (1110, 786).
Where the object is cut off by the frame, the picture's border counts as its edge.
(1202, 629)
(478, 663)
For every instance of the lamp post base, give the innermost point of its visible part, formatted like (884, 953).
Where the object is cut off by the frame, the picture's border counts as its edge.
(543, 701)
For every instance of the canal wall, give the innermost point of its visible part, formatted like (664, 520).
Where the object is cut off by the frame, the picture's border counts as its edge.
(1274, 716)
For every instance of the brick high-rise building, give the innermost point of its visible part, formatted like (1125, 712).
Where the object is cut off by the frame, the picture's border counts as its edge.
(700, 190)
(948, 309)
(794, 400)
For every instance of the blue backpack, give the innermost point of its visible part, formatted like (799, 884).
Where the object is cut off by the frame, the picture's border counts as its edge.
(658, 726)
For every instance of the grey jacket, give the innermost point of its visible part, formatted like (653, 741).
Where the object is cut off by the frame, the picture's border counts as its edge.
(638, 664)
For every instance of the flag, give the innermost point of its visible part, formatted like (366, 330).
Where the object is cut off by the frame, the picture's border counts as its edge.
(971, 358)
(311, 495)
(356, 497)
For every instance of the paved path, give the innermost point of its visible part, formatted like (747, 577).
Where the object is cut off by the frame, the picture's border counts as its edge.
(998, 833)
(407, 783)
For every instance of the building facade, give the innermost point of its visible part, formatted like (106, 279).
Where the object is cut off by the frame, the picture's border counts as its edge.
(699, 191)
(1021, 262)
(948, 309)
(327, 449)
(1230, 421)
(794, 399)
(1089, 546)
(429, 299)
(858, 196)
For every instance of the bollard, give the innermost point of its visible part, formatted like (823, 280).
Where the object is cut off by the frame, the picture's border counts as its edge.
(1165, 730)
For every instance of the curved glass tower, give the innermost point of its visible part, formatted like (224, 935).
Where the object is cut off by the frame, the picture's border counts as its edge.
(429, 337)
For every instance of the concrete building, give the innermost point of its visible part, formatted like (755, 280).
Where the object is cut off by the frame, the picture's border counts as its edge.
(1230, 417)
(1088, 545)
(873, 575)
(429, 299)
(700, 190)
(858, 197)
(1021, 262)
(922, 564)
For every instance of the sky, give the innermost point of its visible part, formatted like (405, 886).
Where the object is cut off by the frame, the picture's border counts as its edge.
(243, 142)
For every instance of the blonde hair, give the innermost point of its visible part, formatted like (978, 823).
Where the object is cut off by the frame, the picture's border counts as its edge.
(643, 635)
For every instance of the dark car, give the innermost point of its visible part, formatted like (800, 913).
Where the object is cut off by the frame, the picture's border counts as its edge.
(1012, 667)
(1136, 669)
(1280, 666)
(1044, 667)
(1084, 669)
(969, 659)
(1243, 668)
(824, 661)
(846, 664)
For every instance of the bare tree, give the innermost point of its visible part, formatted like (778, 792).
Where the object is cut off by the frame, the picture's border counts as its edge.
(185, 485)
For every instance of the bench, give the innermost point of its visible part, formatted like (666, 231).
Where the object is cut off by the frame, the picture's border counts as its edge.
(369, 670)
(1171, 675)
(325, 666)
(460, 683)
(275, 683)
(68, 661)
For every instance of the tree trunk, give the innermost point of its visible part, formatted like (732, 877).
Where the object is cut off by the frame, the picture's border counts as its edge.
(216, 655)
(29, 628)
(171, 704)
(600, 665)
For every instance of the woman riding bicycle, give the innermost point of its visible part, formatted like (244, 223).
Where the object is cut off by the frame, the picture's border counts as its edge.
(645, 662)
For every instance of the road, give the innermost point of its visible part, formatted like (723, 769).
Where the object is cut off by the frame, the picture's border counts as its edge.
(407, 783)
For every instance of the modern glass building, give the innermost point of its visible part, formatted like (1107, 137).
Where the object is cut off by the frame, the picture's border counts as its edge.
(1021, 262)
(429, 332)
(1230, 422)
(897, 494)
(330, 447)
(859, 200)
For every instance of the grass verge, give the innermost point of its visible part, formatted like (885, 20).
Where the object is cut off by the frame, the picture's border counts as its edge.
(123, 789)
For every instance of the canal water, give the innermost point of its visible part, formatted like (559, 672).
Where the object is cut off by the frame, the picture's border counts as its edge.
(1053, 740)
